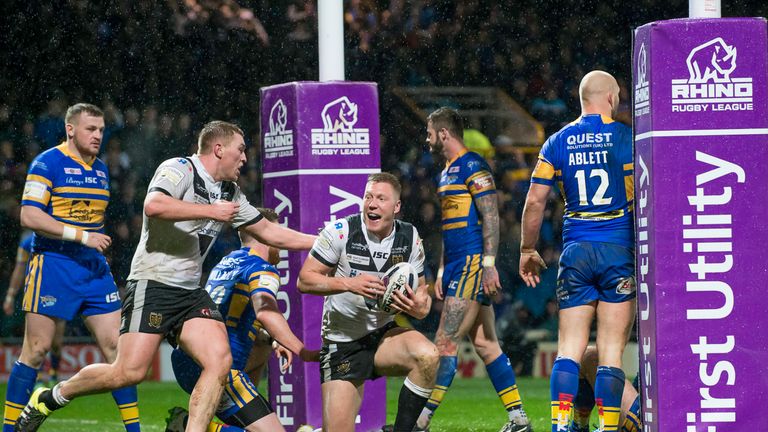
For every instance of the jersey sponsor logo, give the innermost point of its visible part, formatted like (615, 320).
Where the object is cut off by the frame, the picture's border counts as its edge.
(38, 165)
(73, 171)
(339, 136)
(358, 246)
(380, 255)
(642, 88)
(170, 174)
(359, 260)
(454, 169)
(278, 141)
(270, 283)
(709, 86)
(74, 181)
(101, 174)
(483, 182)
(33, 189)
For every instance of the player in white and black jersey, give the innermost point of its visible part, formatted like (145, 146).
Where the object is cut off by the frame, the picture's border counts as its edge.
(188, 202)
(361, 342)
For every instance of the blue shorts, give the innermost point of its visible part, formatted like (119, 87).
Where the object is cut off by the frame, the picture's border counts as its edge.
(592, 271)
(463, 278)
(240, 399)
(63, 287)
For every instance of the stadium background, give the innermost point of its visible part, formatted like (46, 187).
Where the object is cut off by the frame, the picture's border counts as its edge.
(162, 69)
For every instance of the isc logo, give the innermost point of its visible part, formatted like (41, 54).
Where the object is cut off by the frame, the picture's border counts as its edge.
(113, 297)
(380, 255)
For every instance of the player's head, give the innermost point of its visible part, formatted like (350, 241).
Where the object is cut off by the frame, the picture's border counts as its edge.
(84, 124)
(443, 124)
(599, 93)
(224, 142)
(381, 202)
(271, 254)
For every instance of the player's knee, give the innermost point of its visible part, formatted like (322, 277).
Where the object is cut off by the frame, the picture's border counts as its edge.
(487, 350)
(128, 376)
(427, 360)
(34, 351)
(219, 362)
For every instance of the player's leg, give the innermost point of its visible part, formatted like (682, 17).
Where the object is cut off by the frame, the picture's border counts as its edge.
(341, 403)
(500, 372)
(38, 337)
(406, 352)
(55, 353)
(205, 340)
(615, 318)
(243, 408)
(105, 328)
(584, 401)
(461, 286)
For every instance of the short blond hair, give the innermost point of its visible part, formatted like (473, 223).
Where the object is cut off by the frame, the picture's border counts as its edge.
(73, 112)
(213, 130)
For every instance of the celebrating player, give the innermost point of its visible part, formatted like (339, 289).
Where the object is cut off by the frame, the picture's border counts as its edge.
(361, 342)
(592, 160)
(467, 277)
(188, 202)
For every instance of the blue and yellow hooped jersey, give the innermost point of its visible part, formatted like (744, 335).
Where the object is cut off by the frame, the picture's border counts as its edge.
(231, 285)
(464, 178)
(591, 160)
(72, 191)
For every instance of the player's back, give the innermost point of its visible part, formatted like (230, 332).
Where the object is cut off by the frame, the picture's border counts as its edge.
(72, 191)
(591, 160)
(464, 178)
(231, 284)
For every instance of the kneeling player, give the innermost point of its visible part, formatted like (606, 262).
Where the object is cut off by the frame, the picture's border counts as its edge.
(244, 276)
(584, 401)
(361, 342)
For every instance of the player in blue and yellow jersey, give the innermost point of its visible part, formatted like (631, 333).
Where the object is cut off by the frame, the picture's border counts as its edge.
(245, 277)
(468, 277)
(64, 200)
(591, 159)
(23, 253)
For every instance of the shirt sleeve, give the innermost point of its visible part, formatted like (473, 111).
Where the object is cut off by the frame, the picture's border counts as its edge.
(417, 254)
(479, 178)
(248, 214)
(173, 178)
(329, 244)
(544, 172)
(264, 281)
(39, 184)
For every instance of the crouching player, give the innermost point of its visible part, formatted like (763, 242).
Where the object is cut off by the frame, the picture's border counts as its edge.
(584, 401)
(244, 276)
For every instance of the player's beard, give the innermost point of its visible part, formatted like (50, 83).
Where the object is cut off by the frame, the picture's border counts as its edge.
(437, 151)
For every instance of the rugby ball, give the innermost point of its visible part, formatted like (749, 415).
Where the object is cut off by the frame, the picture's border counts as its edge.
(395, 279)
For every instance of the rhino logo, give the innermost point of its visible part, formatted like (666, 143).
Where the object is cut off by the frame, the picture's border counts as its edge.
(278, 117)
(711, 61)
(339, 115)
(642, 66)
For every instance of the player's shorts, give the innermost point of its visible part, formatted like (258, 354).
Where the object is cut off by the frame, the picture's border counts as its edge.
(464, 279)
(352, 361)
(64, 287)
(592, 271)
(240, 404)
(153, 307)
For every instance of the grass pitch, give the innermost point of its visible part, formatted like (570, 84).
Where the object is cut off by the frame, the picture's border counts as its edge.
(470, 405)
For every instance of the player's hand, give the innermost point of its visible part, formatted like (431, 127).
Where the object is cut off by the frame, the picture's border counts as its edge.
(491, 283)
(366, 285)
(8, 305)
(98, 241)
(283, 352)
(439, 287)
(414, 303)
(224, 211)
(531, 265)
(309, 355)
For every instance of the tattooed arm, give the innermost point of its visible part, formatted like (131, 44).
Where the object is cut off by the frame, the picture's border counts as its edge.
(488, 206)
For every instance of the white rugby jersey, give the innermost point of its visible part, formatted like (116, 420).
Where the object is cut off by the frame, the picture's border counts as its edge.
(171, 252)
(346, 245)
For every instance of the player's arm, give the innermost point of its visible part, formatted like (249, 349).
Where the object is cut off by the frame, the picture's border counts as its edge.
(14, 284)
(279, 236)
(269, 315)
(161, 205)
(487, 204)
(533, 214)
(317, 278)
(42, 223)
(416, 302)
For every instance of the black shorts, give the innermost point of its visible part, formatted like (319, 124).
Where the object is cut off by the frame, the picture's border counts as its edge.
(352, 361)
(153, 307)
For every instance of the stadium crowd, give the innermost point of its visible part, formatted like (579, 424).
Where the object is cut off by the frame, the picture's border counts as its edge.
(161, 70)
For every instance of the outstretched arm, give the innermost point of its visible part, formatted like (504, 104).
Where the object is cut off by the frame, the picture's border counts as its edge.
(279, 236)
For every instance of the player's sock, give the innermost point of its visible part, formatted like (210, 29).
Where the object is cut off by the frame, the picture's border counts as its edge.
(126, 399)
(20, 385)
(583, 404)
(445, 373)
(563, 385)
(632, 419)
(53, 398)
(409, 405)
(503, 378)
(219, 427)
(609, 386)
